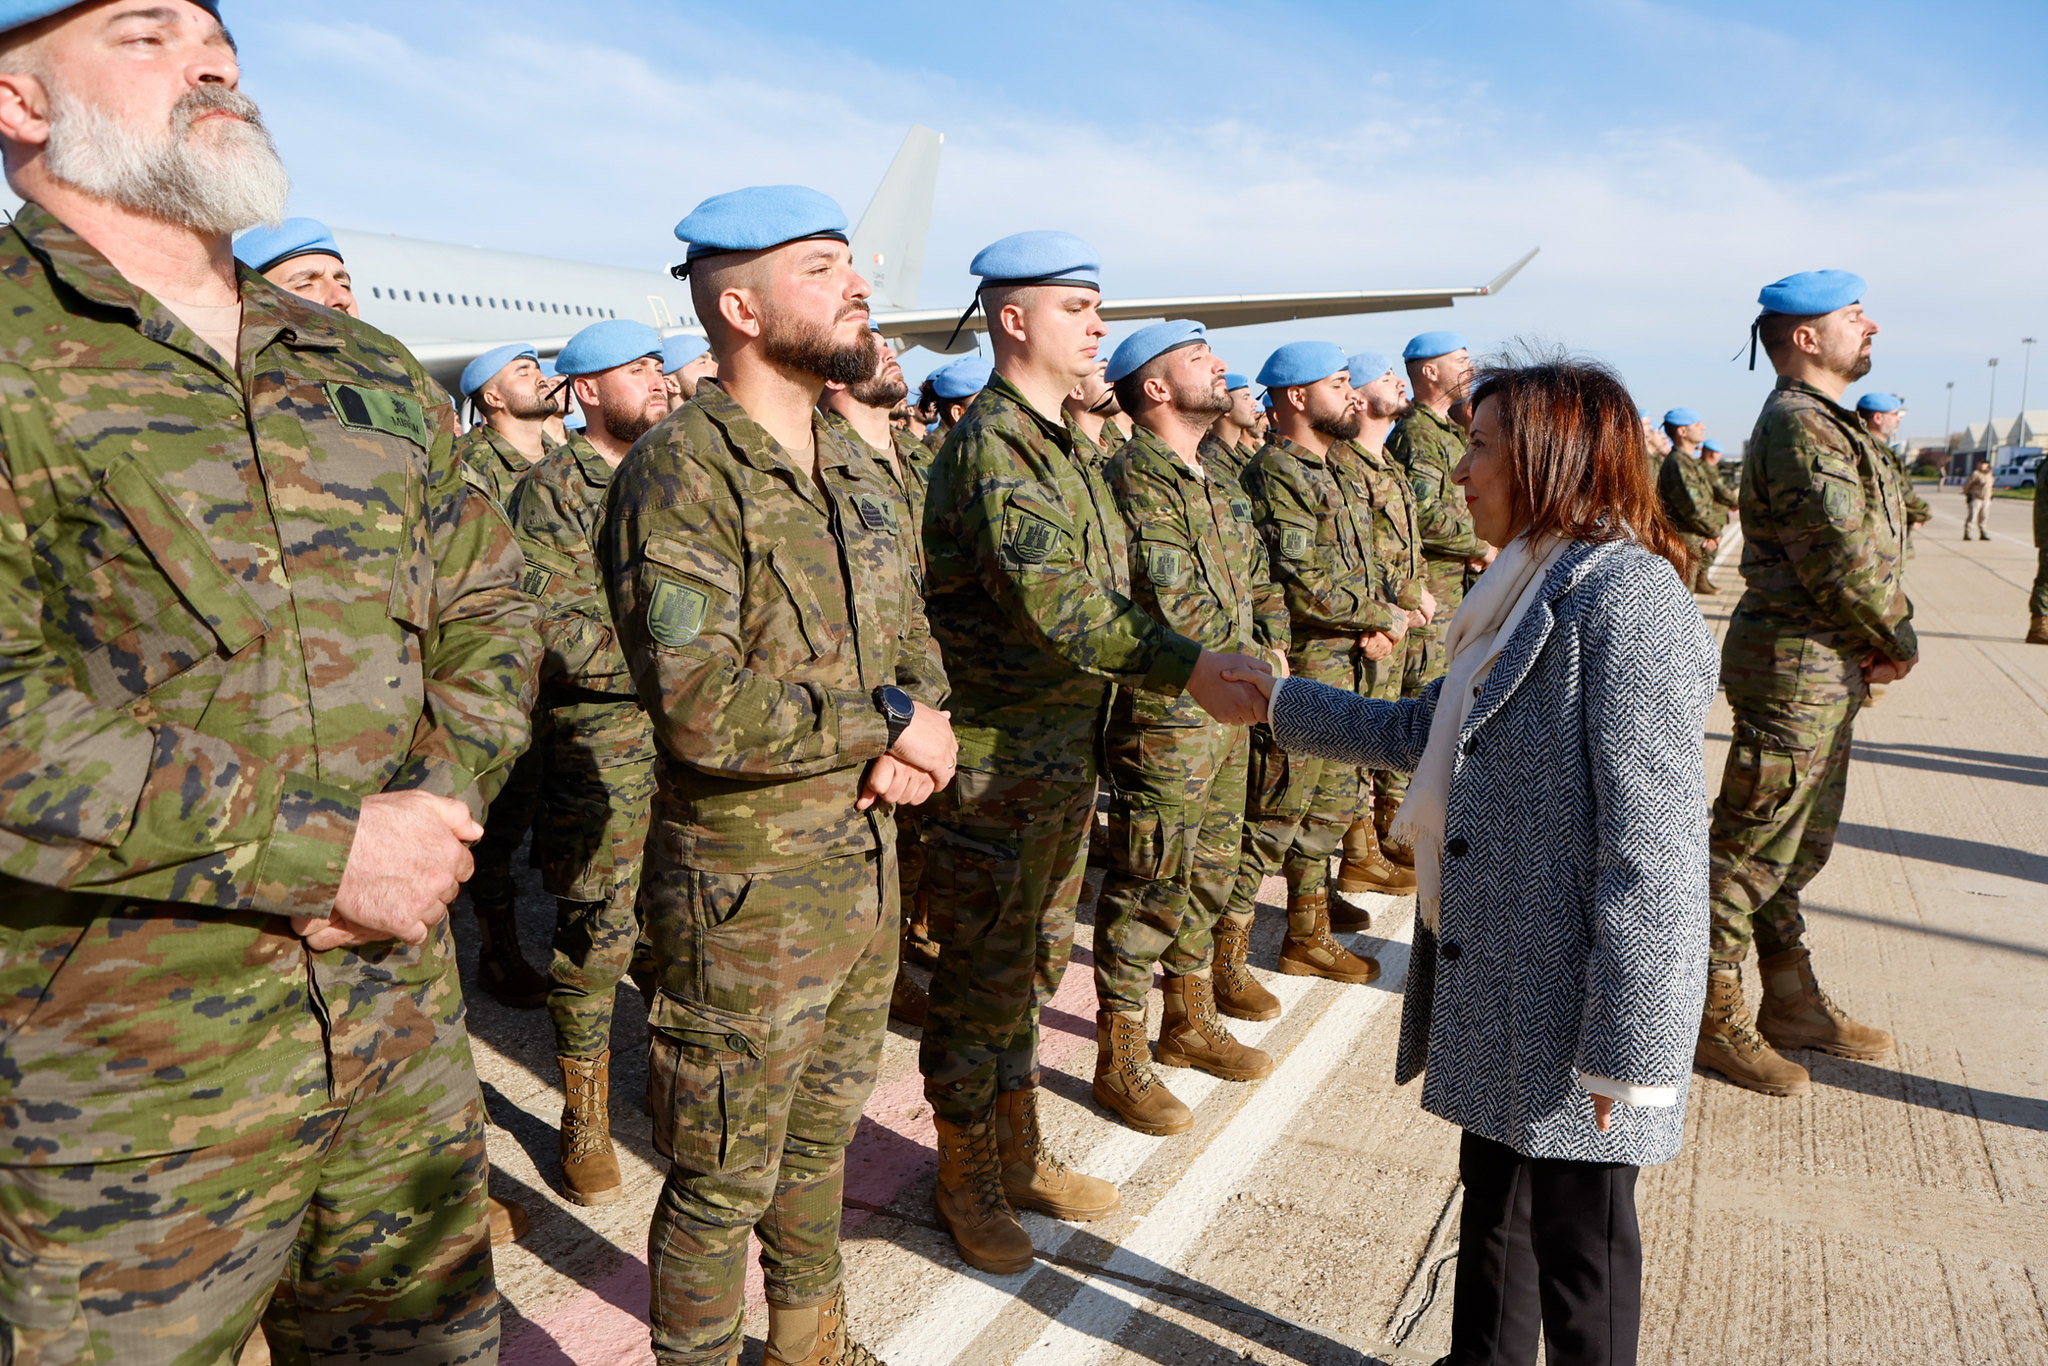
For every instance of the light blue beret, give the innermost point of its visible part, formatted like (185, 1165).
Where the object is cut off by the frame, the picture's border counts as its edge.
(1233, 380)
(1266, 400)
(261, 248)
(1367, 366)
(1714, 446)
(1301, 363)
(1430, 345)
(1812, 292)
(964, 378)
(1681, 417)
(757, 218)
(680, 350)
(15, 13)
(1148, 344)
(602, 346)
(1876, 402)
(1040, 257)
(478, 372)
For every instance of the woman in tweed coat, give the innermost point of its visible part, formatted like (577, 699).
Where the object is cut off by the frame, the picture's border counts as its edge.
(1560, 823)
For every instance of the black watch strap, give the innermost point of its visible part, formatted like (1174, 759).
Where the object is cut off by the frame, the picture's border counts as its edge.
(898, 710)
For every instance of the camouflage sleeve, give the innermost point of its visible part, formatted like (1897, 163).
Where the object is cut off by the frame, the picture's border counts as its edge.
(579, 647)
(1917, 511)
(1684, 499)
(675, 564)
(482, 651)
(1307, 570)
(1270, 622)
(1440, 511)
(1818, 495)
(1027, 553)
(1165, 576)
(920, 668)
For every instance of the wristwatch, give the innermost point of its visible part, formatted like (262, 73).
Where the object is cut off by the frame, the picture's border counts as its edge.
(898, 709)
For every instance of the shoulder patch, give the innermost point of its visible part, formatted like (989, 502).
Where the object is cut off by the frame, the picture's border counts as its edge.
(534, 582)
(1294, 542)
(676, 613)
(1163, 564)
(1241, 508)
(380, 410)
(1033, 539)
(876, 513)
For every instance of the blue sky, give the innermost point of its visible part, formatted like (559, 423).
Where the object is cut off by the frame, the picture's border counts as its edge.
(1669, 158)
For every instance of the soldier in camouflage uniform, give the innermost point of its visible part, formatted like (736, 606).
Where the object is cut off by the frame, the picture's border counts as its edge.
(1176, 776)
(766, 603)
(599, 743)
(1028, 587)
(505, 385)
(953, 387)
(1685, 486)
(860, 413)
(1881, 414)
(686, 361)
(300, 256)
(1318, 532)
(1823, 619)
(1724, 487)
(267, 663)
(1230, 444)
(1089, 408)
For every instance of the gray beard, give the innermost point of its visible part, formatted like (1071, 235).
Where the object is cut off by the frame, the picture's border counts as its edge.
(225, 180)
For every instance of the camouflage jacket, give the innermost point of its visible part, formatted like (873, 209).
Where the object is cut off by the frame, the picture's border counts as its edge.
(907, 474)
(1396, 530)
(759, 608)
(238, 596)
(557, 511)
(1429, 447)
(1722, 486)
(1318, 532)
(1096, 453)
(1197, 564)
(1685, 485)
(1224, 462)
(1917, 511)
(1823, 525)
(1029, 590)
(490, 464)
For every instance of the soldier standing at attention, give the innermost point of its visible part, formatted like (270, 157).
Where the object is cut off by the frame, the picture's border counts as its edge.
(954, 386)
(598, 742)
(1397, 554)
(686, 359)
(1176, 775)
(1230, 444)
(265, 668)
(769, 611)
(1881, 414)
(1318, 533)
(1088, 410)
(300, 256)
(861, 412)
(1823, 620)
(1028, 585)
(1724, 487)
(1685, 487)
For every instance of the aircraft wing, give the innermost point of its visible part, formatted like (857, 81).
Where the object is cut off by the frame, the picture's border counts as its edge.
(930, 328)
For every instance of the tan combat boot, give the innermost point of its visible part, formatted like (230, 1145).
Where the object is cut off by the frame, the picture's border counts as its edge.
(508, 1221)
(1310, 951)
(1730, 1045)
(1125, 1082)
(813, 1336)
(909, 1003)
(1385, 806)
(1238, 993)
(1033, 1176)
(969, 1198)
(918, 945)
(500, 967)
(2037, 631)
(590, 1169)
(1191, 1034)
(1796, 1013)
(1366, 868)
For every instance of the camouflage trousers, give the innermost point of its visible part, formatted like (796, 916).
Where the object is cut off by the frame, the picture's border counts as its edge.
(1297, 811)
(205, 1115)
(506, 824)
(1004, 860)
(1176, 821)
(765, 1039)
(1774, 822)
(910, 870)
(590, 836)
(1699, 557)
(1386, 680)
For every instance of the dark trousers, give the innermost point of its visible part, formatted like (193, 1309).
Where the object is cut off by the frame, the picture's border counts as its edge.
(1545, 1244)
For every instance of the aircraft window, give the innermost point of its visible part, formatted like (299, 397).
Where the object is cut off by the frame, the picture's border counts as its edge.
(437, 296)
(408, 296)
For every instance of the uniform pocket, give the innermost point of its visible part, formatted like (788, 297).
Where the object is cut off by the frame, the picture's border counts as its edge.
(1147, 837)
(1761, 776)
(42, 1322)
(707, 1085)
(810, 617)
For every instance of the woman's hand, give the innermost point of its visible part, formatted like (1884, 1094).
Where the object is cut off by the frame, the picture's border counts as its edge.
(1258, 678)
(1603, 1113)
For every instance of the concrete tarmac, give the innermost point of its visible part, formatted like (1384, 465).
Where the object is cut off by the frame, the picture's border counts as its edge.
(1899, 1213)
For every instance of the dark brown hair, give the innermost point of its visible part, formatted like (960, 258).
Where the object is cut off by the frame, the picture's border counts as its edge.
(1578, 463)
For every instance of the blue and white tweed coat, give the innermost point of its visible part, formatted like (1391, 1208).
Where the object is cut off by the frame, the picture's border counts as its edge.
(1574, 909)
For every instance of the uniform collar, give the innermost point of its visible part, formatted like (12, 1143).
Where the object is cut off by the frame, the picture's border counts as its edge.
(597, 471)
(1299, 452)
(1148, 446)
(999, 390)
(750, 441)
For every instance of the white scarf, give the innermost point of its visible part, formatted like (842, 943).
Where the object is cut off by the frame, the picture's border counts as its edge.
(1483, 624)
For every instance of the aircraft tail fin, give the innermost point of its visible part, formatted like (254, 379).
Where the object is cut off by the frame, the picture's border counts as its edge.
(888, 246)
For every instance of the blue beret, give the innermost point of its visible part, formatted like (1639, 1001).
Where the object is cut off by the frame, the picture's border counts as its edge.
(1876, 402)
(1301, 363)
(478, 372)
(1367, 366)
(757, 218)
(1233, 380)
(15, 13)
(1266, 400)
(962, 379)
(1039, 257)
(602, 346)
(1148, 344)
(1812, 292)
(1681, 417)
(1430, 345)
(680, 350)
(1714, 446)
(261, 248)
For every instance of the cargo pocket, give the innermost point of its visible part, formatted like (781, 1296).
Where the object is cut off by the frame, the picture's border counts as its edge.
(1267, 779)
(1761, 776)
(1146, 836)
(42, 1322)
(707, 1085)
(810, 618)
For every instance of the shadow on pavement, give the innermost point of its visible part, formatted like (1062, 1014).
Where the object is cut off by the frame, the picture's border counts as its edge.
(1998, 859)
(1991, 1107)
(1982, 941)
(1964, 763)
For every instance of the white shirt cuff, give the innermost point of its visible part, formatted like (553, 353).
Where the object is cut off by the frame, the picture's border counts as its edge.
(1628, 1093)
(1273, 698)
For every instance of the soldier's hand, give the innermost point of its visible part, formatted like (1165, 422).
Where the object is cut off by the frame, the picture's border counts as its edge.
(1264, 682)
(897, 783)
(1222, 685)
(1428, 606)
(1711, 544)
(1880, 669)
(407, 863)
(1378, 646)
(335, 933)
(1280, 669)
(928, 743)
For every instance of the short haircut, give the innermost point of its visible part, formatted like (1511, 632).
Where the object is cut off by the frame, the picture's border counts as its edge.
(1775, 330)
(1130, 390)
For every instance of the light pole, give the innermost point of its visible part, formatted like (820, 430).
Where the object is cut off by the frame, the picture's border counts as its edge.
(1991, 419)
(2026, 369)
(1948, 432)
